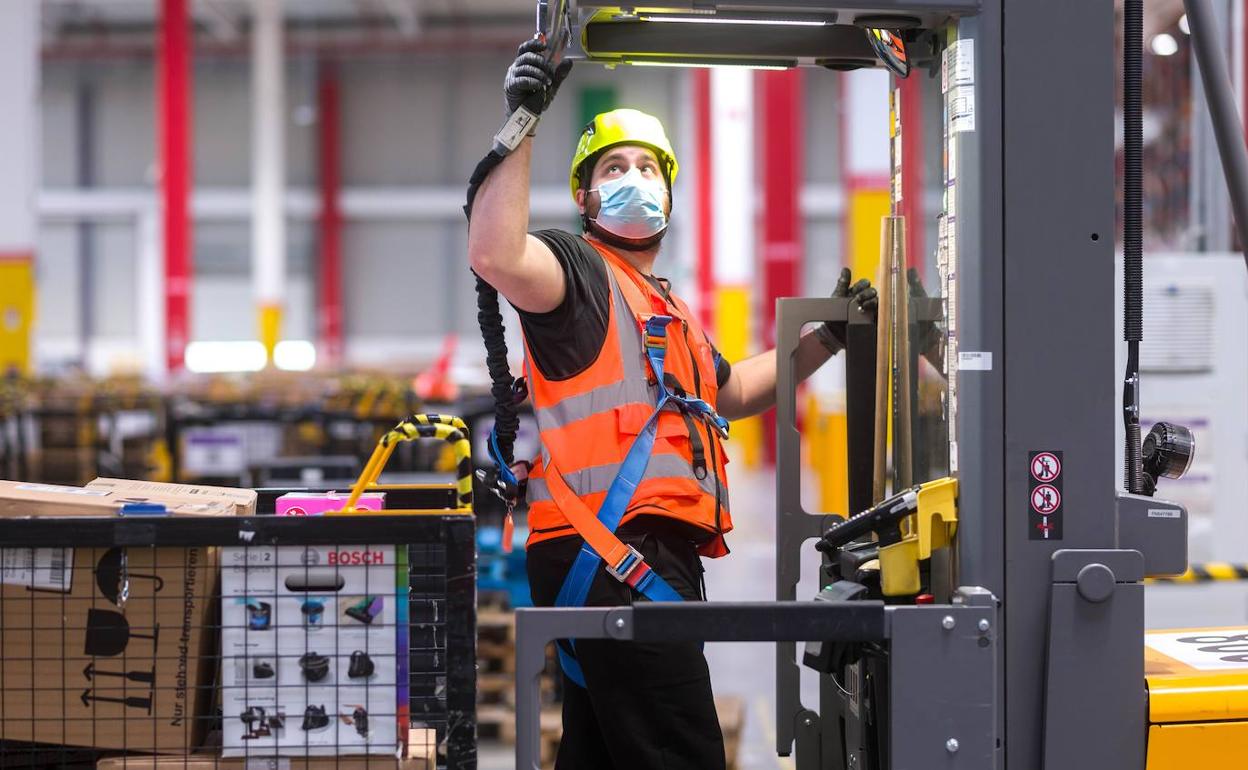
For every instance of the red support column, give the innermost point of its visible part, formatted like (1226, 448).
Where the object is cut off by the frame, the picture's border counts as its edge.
(702, 191)
(912, 170)
(781, 142)
(174, 131)
(329, 317)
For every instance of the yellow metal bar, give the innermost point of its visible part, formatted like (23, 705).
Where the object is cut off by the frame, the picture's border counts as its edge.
(867, 206)
(445, 427)
(826, 432)
(270, 328)
(17, 311)
(732, 338)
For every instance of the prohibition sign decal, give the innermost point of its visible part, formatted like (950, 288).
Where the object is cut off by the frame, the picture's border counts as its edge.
(1044, 493)
(1045, 499)
(1045, 467)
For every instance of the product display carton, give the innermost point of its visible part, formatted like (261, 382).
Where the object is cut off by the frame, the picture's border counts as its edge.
(20, 499)
(309, 651)
(319, 503)
(243, 500)
(106, 647)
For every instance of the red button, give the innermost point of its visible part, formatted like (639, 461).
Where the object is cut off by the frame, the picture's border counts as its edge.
(925, 599)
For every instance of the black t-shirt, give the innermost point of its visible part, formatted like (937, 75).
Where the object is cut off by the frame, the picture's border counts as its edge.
(565, 341)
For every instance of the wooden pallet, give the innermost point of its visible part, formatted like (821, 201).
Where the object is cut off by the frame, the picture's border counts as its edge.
(500, 690)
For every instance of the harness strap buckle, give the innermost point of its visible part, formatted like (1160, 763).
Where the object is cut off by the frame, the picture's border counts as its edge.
(654, 330)
(631, 561)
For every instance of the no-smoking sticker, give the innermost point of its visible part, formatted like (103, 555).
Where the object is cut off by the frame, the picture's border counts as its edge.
(1044, 495)
(1045, 467)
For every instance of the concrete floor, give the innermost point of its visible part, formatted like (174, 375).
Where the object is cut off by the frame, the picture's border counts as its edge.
(748, 574)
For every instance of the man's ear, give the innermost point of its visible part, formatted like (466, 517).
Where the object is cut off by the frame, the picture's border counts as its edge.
(580, 199)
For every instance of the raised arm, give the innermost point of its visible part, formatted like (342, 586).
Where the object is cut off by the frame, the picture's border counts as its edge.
(500, 250)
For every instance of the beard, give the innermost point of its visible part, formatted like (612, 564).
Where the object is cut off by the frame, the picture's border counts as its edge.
(628, 244)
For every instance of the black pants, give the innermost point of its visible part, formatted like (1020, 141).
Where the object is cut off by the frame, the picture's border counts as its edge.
(645, 706)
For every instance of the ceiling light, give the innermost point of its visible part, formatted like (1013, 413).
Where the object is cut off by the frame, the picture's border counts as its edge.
(294, 355)
(753, 64)
(1184, 27)
(222, 357)
(762, 21)
(1164, 44)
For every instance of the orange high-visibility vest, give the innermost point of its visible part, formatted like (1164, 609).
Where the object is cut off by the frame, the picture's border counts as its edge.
(588, 422)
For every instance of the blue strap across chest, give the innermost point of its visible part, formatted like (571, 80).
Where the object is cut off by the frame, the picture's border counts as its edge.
(575, 589)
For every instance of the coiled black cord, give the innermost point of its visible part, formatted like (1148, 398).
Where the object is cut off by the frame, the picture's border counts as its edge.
(502, 384)
(1132, 233)
(490, 319)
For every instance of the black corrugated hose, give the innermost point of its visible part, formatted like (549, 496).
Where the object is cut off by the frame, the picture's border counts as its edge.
(502, 384)
(1132, 233)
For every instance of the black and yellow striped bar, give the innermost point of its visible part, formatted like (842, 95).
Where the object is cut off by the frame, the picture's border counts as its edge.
(441, 426)
(1209, 572)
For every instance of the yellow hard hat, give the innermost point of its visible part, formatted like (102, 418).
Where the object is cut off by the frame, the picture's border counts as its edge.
(623, 126)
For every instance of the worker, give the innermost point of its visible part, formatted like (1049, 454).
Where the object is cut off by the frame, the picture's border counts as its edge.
(625, 496)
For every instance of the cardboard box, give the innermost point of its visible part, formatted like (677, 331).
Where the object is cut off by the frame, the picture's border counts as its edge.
(107, 647)
(243, 500)
(22, 499)
(209, 762)
(310, 641)
(319, 503)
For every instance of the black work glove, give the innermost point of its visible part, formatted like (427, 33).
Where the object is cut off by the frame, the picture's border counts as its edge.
(531, 80)
(864, 297)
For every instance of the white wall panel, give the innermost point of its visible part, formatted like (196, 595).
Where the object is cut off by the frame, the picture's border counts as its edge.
(396, 275)
(393, 126)
(114, 305)
(57, 312)
(59, 105)
(125, 140)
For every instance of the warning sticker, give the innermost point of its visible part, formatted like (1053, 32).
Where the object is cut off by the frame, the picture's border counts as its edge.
(1045, 467)
(1205, 650)
(1044, 495)
(45, 569)
(1045, 499)
(961, 106)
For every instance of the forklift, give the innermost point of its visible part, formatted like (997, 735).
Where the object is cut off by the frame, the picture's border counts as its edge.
(983, 606)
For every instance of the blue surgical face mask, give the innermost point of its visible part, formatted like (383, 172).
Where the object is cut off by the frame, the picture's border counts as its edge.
(632, 206)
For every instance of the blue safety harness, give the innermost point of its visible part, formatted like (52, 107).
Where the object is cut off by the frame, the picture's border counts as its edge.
(648, 583)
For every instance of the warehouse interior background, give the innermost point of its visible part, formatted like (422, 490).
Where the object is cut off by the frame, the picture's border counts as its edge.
(322, 231)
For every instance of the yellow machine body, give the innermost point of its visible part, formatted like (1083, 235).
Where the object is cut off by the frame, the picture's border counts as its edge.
(1197, 682)
(929, 528)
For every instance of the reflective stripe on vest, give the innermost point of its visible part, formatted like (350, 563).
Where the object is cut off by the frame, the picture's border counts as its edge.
(596, 401)
(598, 477)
